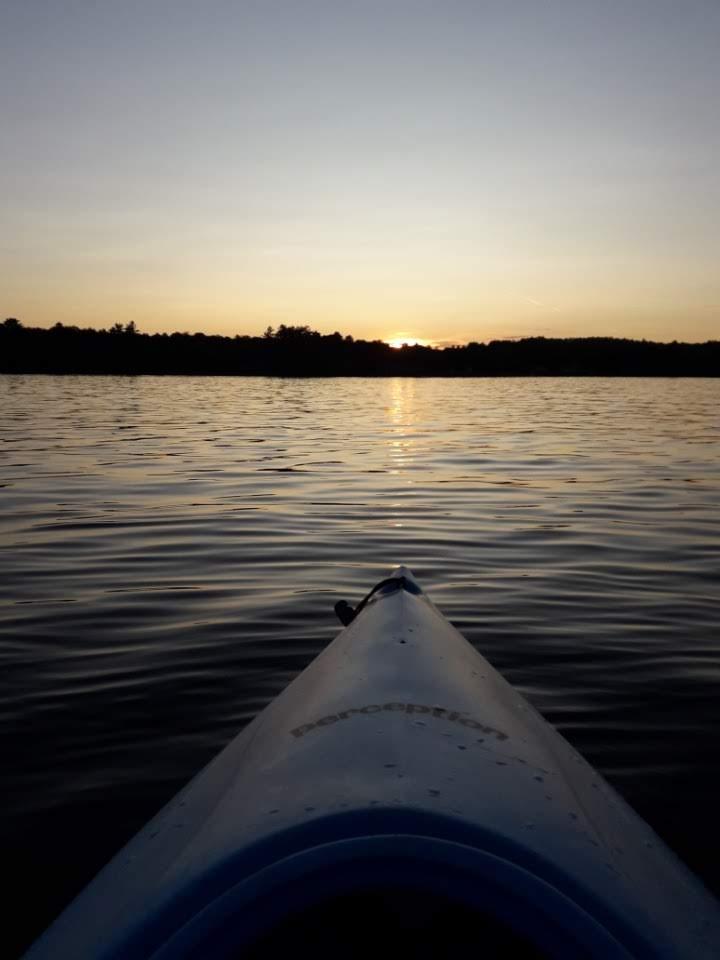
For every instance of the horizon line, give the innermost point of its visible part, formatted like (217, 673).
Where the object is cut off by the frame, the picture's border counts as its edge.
(414, 343)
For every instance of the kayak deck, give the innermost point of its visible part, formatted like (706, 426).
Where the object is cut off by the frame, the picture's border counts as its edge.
(398, 767)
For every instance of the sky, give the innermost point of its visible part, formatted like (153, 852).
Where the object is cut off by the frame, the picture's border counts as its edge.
(440, 170)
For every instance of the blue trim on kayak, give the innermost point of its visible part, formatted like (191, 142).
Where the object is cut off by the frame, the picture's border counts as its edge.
(364, 826)
(526, 905)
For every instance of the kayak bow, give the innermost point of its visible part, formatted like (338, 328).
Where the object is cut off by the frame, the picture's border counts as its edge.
(398, 783)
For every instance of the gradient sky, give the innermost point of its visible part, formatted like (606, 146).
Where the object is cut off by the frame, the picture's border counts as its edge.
(448, 170)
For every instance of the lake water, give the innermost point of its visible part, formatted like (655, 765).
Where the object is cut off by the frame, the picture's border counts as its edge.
(173, 548)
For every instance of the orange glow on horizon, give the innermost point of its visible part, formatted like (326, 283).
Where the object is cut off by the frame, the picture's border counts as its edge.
(406, 341)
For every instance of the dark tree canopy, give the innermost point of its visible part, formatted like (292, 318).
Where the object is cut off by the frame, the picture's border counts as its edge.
(301, 351)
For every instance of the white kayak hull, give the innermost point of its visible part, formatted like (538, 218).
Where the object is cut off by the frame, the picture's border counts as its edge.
(399, 759)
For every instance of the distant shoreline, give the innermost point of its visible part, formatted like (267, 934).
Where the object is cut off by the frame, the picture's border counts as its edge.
(302, 352)
(365, 376)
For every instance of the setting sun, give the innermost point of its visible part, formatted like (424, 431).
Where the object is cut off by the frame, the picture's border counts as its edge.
(402, 341)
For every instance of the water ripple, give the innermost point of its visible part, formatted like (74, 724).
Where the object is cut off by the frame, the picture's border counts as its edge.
(173, 548)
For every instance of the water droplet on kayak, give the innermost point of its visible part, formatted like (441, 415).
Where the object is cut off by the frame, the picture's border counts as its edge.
(649, 844)
(420, 723)
(434, 793)
(573, 816)
(154, 834)
(461, 746)
(548, 796)
(309, 809)
(402, 641)
(480, 740)
(389, 766)
(273, 811)
(500, 763)
(539, 779)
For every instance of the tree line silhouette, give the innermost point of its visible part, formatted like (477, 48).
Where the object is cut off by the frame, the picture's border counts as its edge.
(301, 351)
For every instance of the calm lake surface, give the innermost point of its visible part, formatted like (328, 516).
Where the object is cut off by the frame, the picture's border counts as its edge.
(173, 548)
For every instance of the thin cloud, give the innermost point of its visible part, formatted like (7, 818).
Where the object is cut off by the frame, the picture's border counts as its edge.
(541, 304)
